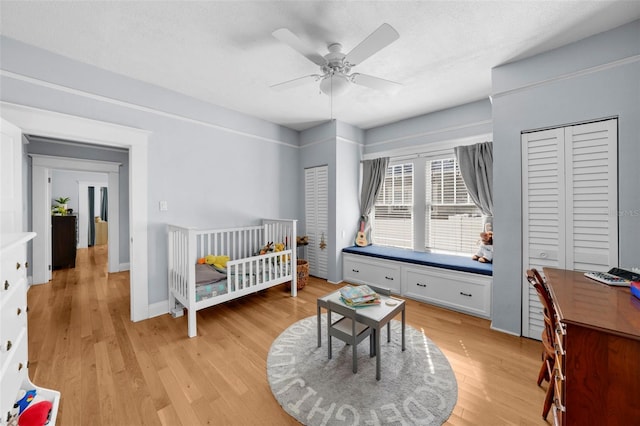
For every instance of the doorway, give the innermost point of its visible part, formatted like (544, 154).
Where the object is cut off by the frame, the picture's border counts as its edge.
(62, 126)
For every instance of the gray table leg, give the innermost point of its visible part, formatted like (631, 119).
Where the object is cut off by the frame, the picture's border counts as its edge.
(319, 321)
(378, 352)
(403, 322)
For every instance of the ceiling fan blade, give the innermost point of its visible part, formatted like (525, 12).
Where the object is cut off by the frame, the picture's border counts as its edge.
(289, 38)
(296, 82)
(377, 40)
(376, 83)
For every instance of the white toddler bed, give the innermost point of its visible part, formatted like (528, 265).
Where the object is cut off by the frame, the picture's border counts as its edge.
(196, 286)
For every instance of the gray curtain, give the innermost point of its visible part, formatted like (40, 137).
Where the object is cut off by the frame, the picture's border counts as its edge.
(92, 224)
(104, 204)
(373, 172)
(476, 168)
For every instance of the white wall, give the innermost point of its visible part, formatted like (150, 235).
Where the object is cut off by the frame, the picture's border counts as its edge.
(591, 79)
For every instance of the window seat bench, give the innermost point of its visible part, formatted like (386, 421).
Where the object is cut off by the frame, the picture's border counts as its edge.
(450, 281)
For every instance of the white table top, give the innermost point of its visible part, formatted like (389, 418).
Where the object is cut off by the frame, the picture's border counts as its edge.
(374, 312)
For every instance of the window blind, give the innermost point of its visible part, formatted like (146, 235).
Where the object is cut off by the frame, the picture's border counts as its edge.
(393, 210)
(452, 220)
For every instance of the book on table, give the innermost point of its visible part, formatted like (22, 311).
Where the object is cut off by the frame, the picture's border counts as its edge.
(361, 295)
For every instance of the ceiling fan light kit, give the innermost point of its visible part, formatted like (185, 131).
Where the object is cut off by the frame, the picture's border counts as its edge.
(335, 84)
(335, 66)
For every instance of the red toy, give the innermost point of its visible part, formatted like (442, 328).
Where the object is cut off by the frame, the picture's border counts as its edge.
(37, 414)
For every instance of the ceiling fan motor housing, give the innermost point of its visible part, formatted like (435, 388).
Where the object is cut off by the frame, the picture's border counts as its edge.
(335, 61)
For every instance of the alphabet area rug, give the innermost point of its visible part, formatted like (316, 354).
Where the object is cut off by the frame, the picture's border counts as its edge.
(416, 387)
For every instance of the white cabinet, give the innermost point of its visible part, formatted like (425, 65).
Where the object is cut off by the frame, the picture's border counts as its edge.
(370, 270)
(461, 291)
(14, 366)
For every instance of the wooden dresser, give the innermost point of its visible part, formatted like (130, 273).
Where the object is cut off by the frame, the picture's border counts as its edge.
(63, 241)
(597, 349)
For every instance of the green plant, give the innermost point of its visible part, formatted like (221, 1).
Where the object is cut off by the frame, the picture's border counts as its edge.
(62, 200)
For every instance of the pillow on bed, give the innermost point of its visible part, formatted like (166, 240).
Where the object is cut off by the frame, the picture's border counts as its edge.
(207, 274)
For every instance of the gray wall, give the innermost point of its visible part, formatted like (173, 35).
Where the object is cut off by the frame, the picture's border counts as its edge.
(214, 167)
(64, 183)
(460, 122)
(591, 79)
(339, 146)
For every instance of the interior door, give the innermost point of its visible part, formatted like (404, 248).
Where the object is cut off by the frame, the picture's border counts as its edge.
(11, 208)
(317, 218)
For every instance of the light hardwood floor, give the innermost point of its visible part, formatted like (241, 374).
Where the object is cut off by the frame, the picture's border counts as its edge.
(111, 371)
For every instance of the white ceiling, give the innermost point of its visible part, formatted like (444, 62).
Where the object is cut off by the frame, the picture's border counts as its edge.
(223, 51)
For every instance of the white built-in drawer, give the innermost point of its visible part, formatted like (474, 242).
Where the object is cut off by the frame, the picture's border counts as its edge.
(13, 318)
(370, 270)
(13, 268)
(14, 373)
(457, 290)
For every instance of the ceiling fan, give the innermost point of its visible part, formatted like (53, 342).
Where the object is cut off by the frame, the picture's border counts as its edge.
(335, 66)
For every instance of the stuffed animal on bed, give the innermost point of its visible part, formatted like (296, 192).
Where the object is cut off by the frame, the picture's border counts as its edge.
(485, 252)
(217, 261)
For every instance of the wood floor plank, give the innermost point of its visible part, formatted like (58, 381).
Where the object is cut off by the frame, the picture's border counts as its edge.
(113, 371)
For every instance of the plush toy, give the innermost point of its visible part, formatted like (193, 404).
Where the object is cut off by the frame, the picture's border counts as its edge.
(202, 261)
(217, 261)
(29, 410)
(267, 248)
(485, 252)
(37, 414)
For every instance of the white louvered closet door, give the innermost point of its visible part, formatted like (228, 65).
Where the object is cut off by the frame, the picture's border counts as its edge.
(317, 218)
(569, 195)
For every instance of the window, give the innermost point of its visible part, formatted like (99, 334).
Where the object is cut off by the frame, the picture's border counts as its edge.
(453, 222)
(424, 205)
(393, 210)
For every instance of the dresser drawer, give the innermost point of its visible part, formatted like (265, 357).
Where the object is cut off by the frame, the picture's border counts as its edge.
(13, 318)
(461, 291)
(374, 271)
(14, 372)
(13, 267)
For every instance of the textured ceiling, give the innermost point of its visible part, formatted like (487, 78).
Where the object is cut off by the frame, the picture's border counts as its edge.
(223, 52)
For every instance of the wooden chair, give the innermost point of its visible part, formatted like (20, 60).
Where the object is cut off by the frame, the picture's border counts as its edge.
(548, 351)
(348, 330)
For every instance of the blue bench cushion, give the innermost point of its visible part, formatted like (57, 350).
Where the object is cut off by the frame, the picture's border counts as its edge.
(438, 260)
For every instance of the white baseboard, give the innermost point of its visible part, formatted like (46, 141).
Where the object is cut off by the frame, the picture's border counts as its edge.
(504, 331)
(333, 282)
(124, 266)
(159, 308)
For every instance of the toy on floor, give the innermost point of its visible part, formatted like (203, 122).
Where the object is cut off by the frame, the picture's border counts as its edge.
(485, 251)
(30, 410)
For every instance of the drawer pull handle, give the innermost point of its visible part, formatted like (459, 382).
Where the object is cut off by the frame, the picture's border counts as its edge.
(466, 294)
(18, 265)
(356, 270)
(9, 345)
(421, 285)
(19, 311)
(6, 285)
(20, 365)
(389, 278)
(26, 264)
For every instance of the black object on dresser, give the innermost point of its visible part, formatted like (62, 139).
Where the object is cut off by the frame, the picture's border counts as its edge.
(63, 241)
